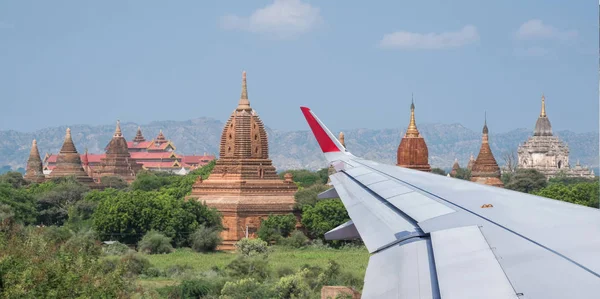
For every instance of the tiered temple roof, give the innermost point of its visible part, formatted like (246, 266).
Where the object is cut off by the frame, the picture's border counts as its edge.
(485, 169)
(34, 171)
(546, 153)
(244, 185)
(68, 163)
(117, 161)
(412, 151)
(138, 136)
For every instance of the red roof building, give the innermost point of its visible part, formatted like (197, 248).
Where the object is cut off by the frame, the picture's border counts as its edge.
(156, 155)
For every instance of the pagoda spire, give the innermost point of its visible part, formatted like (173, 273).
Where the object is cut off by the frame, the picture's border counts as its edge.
(543, 113)
(412, 126)
(244, 103)
(34, 171)
(68, 145)
(341, 138)
(118, 132)
(138, 136)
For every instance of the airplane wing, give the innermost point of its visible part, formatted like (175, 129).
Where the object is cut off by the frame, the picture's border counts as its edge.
(432, 236)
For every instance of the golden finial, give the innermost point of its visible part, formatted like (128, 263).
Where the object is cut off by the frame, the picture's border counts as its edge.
(68, 132)
(412, 126)
(244, 102)
(341, 138)
(118, 130)
(543, 113)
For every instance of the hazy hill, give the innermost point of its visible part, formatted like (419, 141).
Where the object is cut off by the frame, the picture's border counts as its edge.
(293, 149)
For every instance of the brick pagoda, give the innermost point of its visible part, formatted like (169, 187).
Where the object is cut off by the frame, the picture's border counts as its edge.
(68, 163)
(117, 161)
(455, 168)
(412, 151)
(485, 169)
(34, 171)
(244, 185)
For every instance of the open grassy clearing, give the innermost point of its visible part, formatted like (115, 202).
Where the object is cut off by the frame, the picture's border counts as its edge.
(353, 260)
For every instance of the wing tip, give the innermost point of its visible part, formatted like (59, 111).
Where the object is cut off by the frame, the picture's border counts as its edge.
(319, 130)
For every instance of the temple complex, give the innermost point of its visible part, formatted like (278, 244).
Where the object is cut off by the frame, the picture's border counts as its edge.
(157, 154)
(485, 170)
(244, 185)
(412, 151)
(117, 161)
(34, 171)
(68, 163)
(546, 153)
(455, 168)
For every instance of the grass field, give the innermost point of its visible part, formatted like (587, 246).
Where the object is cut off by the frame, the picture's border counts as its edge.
(353, 260)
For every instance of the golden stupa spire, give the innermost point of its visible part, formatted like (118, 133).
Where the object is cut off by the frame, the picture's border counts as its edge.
(341, 138)
(543, 113)
(412, 126)
(244, 102)
(118, 132)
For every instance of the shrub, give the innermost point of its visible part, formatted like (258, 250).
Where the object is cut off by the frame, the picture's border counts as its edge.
(115, 248)
(293, 286)
(284, 271)
(155, 242)
(308, 196)
(135, 264)
(296, 239)
(251, 247)
(153, 272)
(177, 270)
(245, 288)
(243, 266)
(205, 239)
(195, 288)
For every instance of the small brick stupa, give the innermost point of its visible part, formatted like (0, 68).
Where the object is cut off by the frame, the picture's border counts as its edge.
(455, 168)
(471, 162)
(34, 172)
(412, 151)
(139, 137)
(244, 185)
(68, 163)
(117, 161)
(485, 169)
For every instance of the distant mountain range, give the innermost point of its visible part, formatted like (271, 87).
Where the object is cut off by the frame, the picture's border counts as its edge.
(294, 149)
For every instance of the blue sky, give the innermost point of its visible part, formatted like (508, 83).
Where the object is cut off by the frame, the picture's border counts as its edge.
(355, 65)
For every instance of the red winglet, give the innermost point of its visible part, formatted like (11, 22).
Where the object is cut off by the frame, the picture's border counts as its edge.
(327, 145)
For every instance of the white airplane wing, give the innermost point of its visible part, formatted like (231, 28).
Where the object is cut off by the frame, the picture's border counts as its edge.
(432, 236)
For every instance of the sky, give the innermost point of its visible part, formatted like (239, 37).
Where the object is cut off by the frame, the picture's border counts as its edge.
(355, 65)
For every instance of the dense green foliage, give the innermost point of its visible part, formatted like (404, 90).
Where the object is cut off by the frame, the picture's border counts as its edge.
(585, 193)
(305, 178)
(323, 217)
(463, 174)
(438, 171)
(127, 216)
(308, 196)
(274, 227)
(526, 180)
(35, 264)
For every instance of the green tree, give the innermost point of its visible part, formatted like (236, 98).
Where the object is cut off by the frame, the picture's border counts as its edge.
(244, 289)
(463, 174)
(324, 216)
(438, 171)
(307, 178)
(54, 204)
(18, 204)
(581, 193)
(308, 196)
(13, 178)
(127, 216)
(154, 242)
(115, 182)
(276, 226)
(527, 181)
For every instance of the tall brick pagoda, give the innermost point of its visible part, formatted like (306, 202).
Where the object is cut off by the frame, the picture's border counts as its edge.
(117, 161)
(244, 185)
(485, 169)
(68, 163)
(34, 171)
(412, 151)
